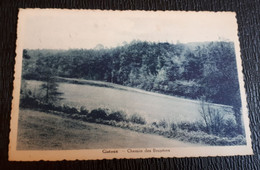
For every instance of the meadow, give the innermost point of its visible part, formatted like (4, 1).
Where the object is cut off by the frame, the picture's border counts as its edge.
(151, 106)
(43, 131)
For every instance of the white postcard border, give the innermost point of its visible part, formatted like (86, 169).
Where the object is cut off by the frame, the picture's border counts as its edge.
(94, 154)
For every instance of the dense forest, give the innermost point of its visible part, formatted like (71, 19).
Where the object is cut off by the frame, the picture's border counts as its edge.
(192, 70)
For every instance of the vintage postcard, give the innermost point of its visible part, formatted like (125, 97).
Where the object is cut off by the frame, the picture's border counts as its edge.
(93, 84)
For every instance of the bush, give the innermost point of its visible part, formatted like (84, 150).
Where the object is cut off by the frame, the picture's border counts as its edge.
(135, 118)
(117, 116)
(163, 124)
(83, 110)
(154, 124)
(230, 128)
(59, 108)
(212, 118)
(173, 126)
(69, 110)
(47, 107)
(29, 102)
(189, 126)
(98, 114)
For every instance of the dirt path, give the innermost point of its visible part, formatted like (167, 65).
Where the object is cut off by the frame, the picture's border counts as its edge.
(38, 130)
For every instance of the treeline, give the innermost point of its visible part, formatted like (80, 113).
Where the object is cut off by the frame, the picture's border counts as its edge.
(189, 70)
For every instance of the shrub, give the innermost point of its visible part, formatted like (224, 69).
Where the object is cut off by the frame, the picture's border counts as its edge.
(65, 108)
(163, 124)
(98, 114)
(69, 110)
(74, 110)
(48, 106)
(28, 99)
(189, 126)
(117, 116)
(135, 118)
(230, 128)
(154, 124)
(83, 110)
(212, 118)
(75, 116)
(173, 126)
(29, 102)
(59, 108)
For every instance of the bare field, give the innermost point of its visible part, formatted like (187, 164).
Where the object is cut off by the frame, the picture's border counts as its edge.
(42, 131)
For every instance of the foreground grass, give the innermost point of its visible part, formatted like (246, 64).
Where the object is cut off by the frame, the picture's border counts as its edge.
(166, 116)
(39, 131)
(185, 131)
(60, 126)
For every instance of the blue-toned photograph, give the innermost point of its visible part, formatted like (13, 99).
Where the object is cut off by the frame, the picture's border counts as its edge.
(132, 81)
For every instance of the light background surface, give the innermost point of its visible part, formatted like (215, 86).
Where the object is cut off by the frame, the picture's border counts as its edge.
(58, 29)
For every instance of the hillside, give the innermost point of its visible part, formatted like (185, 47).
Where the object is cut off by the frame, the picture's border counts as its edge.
(152, 106)
(41, 131)
(189, 70)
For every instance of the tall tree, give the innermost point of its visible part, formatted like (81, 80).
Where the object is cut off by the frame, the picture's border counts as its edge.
(49, 88)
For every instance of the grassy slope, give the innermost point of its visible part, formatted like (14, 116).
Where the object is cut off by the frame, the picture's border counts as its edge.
(121, 87)
(151, 106)
(38, 130)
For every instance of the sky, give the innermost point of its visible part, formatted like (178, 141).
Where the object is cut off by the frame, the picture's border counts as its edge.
(86, 29)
